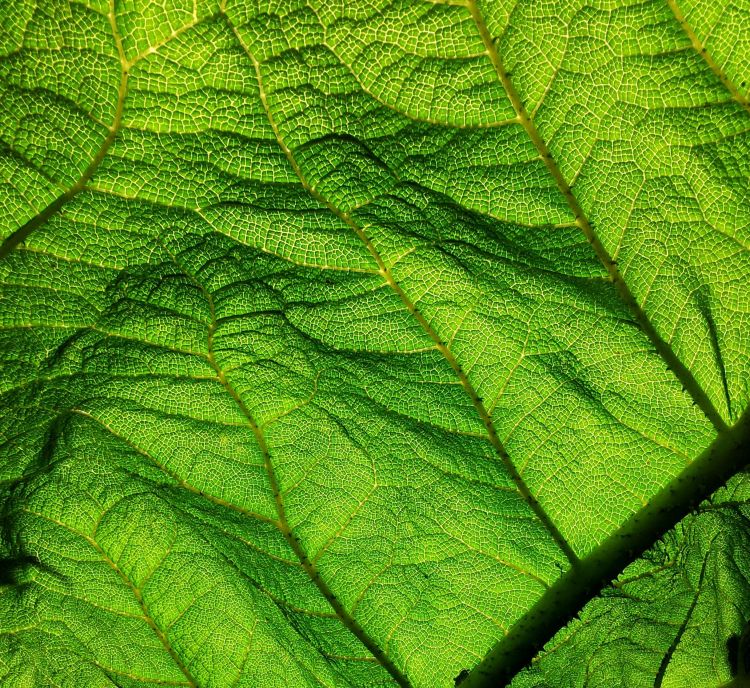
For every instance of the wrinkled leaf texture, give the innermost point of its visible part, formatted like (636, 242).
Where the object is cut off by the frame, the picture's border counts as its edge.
(343, 339)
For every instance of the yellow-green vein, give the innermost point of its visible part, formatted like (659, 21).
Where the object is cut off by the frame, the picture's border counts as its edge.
(680, 370)
(386, 273)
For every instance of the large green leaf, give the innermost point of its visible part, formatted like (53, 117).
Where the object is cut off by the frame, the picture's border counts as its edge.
(360, 343)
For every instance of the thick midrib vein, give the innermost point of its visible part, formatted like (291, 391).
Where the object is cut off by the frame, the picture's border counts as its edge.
(700, 48)
(680, 370)
(39, 219)
(308, 565)
(567, 596)
(440, 345)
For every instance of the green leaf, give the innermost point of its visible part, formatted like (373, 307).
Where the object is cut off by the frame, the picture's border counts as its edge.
(672, 617)
(362, 343)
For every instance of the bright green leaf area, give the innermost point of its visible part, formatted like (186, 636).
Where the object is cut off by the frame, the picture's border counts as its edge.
(334, 333)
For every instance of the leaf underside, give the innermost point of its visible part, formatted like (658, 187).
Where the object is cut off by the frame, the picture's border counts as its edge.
(341, 340)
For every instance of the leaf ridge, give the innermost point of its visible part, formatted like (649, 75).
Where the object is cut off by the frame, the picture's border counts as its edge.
(707, 57)
(308, 565)
(440, 345)
(18, 236)
(663, 348)
(180, 481)
(39, 219)
(160, 634)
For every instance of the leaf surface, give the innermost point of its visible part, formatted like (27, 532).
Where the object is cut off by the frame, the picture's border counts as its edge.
(338, 337)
